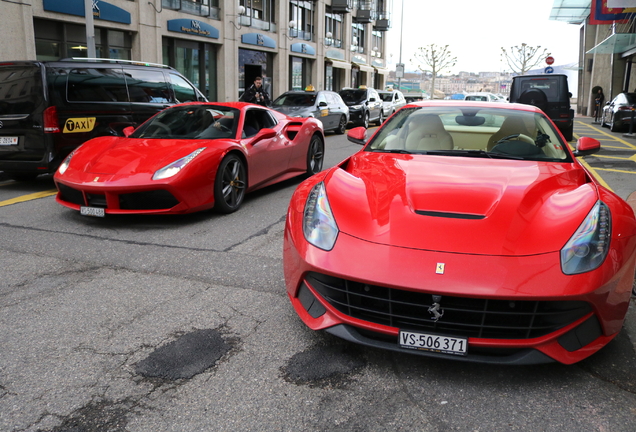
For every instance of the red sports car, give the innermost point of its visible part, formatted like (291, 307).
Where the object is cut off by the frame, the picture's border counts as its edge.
(189, 157)
(463, 230)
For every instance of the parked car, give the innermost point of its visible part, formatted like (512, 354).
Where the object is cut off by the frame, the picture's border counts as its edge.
(326, 106)
(364, 104)
(618, 113)
(189, 157)
(551, 94)
(481, 97)
(392, 100)
(49, 108)
(467, 231)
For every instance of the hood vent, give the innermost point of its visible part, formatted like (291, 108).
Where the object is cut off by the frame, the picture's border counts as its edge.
(449, 215)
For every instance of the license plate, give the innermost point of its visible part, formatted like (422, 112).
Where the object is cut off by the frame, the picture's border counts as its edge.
(92, 211)
(433, 343)
(8, 140)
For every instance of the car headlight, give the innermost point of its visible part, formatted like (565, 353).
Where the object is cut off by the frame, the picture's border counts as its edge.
(355, 107)
(64, 165)
(319, 226)
(587, 248)
(176, 166)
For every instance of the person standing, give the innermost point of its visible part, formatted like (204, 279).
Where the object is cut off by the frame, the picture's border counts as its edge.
(599, 99)
(256, 94)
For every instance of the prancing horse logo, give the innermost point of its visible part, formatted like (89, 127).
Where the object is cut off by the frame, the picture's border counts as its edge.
(436, 310)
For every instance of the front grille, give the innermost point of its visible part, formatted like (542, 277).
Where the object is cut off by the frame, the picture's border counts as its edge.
(463, 316)
(96, 200)
(71, 195)
(150, 200)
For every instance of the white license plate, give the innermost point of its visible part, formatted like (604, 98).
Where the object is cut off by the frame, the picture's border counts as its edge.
(8, 140)
(92, 211)
(433, 343)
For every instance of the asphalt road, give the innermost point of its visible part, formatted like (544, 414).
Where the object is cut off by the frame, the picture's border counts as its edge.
(182, 323)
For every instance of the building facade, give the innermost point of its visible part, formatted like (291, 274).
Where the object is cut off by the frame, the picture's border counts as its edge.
(219, 45)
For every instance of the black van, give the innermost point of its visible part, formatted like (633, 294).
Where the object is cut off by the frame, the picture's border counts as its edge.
(551, 94)
(49, 108)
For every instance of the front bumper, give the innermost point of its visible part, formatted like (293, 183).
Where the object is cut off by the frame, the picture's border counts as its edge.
(515, 279)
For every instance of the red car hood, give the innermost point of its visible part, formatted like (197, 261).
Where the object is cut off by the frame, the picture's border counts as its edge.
(116, 155)
(460, 204)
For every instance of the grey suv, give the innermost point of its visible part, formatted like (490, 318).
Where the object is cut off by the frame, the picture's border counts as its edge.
(364, 105)
(326, 106)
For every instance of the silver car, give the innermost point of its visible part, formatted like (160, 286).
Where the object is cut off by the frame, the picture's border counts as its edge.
(392, 100)
(324, 105)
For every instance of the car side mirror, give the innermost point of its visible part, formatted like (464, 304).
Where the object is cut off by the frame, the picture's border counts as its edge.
(358, 135)
(323, 103)
(371, 99)
(128, 130)
(587, 146)
(264, 134)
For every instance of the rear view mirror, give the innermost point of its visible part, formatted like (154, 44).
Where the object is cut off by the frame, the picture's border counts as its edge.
(357, 135)
(587, 146)
(128, 131)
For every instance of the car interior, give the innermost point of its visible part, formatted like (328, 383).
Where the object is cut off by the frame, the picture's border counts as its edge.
(496, 132)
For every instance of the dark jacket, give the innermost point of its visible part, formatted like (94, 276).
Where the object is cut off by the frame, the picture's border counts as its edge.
(250, 96)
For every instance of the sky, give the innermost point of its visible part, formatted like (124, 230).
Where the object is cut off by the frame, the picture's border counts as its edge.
(475, 31)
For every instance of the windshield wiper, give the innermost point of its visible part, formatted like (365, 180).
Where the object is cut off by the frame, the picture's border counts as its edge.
(400, 151)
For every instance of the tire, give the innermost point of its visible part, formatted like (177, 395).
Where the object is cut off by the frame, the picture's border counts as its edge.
(342, 125)
(380, 118)
(603, 124)
(230, 184)
(365, 122)
(315, 156)
(613, 127)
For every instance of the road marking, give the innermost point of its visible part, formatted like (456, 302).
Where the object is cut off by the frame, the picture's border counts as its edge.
(28, 197)
(607, 134)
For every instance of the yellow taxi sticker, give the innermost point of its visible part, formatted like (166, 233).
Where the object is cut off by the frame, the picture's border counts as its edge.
(324, 113)
(74, 125)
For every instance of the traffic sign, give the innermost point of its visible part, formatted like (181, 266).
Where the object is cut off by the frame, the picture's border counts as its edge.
(549, 69)
(549, 60)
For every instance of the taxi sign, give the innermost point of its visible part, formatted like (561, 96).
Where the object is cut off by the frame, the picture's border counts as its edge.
(80, 124)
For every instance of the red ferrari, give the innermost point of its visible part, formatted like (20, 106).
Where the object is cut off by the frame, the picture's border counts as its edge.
(189, 157)
(467, 231)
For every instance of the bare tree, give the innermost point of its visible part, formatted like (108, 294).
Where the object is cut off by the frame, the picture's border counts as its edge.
(521, 59)
(438, 60)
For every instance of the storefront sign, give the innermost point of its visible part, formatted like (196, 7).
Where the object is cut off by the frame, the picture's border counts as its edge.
(358, 59)
(258, 39)
(303, 48)
(101, 10)
(193, 27)
(335, 54)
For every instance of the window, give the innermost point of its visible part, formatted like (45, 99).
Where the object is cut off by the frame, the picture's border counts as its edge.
(262, 10)
(302, 14)
(147, 86)
(357, 37)
(376, 41)
(97, 85)
(183, 91)
(333, 25)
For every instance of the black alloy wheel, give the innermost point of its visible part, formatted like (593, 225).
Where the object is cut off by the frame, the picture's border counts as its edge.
(365, 122)
(342, 125)
(230, 184)
(315, 155)
(612, 126)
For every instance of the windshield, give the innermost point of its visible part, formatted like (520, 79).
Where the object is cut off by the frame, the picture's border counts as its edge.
(386, 97)
(191, 122)
(351, 97)
(295, 100)
(477, 98)
(471, 131)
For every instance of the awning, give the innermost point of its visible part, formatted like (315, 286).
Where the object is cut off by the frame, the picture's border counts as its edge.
(338, 64)
(363, 68)
(571, 11)
(382, 71)
(616, 43)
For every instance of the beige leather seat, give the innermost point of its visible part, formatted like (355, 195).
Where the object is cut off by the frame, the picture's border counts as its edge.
(428, 133)
(510, 126)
